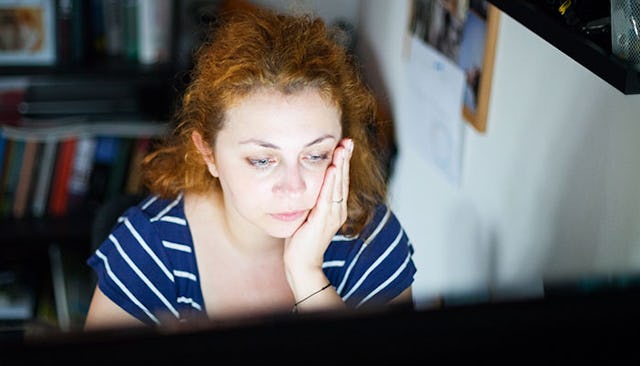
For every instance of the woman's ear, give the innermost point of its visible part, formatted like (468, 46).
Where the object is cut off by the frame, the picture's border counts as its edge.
(205, 151)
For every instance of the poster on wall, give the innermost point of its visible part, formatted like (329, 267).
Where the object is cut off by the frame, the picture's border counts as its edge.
(436, 128)
(465, 32)
(27, 32)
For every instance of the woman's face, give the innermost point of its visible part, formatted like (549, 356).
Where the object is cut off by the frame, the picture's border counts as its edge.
(271, 157)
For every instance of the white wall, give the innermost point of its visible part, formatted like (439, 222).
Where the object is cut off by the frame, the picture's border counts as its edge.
(550, 191)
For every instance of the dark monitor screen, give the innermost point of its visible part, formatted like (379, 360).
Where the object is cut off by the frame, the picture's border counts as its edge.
(578, 326)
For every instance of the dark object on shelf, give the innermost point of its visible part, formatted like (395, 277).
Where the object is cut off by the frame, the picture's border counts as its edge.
(576, 13)
(594, 53)
(113, 97)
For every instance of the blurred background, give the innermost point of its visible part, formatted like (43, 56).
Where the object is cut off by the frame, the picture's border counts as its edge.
(545, 198)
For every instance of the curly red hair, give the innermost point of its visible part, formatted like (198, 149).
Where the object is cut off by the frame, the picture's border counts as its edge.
(259, 49)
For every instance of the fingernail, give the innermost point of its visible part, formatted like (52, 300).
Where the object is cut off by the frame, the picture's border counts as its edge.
(350, 146)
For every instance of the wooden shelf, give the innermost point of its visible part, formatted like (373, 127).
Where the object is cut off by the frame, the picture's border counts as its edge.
(593, 54)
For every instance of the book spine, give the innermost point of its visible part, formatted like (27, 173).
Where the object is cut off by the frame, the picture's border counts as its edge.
(154, 31)
(11, 180)
(113, 25)
(59, 193)
(82, 165)
(104, 158)
(63, 34)
(24, 180)
(43, 181)
(130, 29)
(35, 169)
(77, 32)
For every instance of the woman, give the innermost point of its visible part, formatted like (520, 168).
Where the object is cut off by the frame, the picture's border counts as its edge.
(266, 197)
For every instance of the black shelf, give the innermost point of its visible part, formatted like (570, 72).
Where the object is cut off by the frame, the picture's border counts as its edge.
(21, 236)
(592, 53)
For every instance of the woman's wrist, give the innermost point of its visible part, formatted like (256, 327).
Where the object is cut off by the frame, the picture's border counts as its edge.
(312, 291)
(304, 281)
(299, 302)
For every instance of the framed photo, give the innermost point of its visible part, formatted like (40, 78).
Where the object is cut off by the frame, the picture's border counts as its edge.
(465, 31)
(27, 32)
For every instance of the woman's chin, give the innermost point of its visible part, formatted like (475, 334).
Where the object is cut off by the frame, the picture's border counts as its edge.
(284, 230)
(283, 233)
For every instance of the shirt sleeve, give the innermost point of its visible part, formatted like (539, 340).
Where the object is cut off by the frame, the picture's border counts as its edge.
(378, 265)
(133, 270)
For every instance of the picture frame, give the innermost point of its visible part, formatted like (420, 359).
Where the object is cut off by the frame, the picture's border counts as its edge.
(482, 21)
(27, 33)
(465, 31)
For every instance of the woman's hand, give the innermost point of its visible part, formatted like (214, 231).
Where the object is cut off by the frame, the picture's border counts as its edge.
(304, 251)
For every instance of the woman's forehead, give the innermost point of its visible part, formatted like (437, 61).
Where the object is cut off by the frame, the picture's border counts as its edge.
(269, 111)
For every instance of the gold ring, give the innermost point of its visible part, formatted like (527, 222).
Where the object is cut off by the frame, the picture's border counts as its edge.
(338, 201)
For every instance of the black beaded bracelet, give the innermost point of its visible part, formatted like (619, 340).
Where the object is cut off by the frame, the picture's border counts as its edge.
(295, 306)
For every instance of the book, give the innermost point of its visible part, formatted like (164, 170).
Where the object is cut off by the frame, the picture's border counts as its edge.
(89, 187)
(35, 169)
(81, 171)
(43, 180)
(59, 186)
(94, 24)
(113, 24)
(154, 21)
(63, 30)
(130, 29)
(104, 158)
(10, 181)
(24, 179)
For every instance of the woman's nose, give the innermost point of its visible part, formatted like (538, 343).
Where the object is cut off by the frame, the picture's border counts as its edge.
(291, 182)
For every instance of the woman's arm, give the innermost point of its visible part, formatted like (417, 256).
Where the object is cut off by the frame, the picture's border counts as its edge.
(104, 313)
(404, 299)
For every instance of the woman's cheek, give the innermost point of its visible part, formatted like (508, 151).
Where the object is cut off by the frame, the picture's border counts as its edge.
(315, 186)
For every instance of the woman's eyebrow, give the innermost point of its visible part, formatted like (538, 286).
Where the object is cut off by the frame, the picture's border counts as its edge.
(269, 145)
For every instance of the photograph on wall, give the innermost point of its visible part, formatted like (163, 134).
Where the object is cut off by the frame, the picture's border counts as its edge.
(471, 55)
(465, 32)
(440, 23)
(27, 32)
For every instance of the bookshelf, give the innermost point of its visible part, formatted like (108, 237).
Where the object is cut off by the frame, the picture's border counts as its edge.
(114, 95)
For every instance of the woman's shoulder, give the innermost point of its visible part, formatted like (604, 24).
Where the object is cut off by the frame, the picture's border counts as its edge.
(155, 208)
(383, 226)
(148, 225)
(383, 220)
(151, 217)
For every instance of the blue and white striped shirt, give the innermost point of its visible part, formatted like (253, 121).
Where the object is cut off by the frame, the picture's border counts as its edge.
(148, 267)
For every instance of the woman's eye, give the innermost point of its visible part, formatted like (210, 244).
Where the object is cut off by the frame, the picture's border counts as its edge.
(317, 158)
(261, 163)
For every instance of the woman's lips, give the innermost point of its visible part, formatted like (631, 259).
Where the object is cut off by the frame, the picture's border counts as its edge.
(288, 216)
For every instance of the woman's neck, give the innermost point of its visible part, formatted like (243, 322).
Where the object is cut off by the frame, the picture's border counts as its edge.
(242, 236)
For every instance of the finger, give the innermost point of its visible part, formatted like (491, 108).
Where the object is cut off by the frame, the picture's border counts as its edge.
(338, 197)
(346, 169)
(328, 187)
